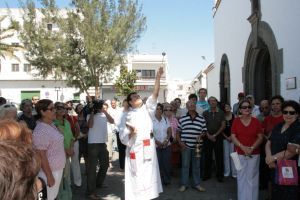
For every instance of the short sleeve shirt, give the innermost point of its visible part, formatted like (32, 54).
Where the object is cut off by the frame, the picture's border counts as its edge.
(280, 140)
(247, 135)
(213, 120)
(269, 123)
(190, 129)
(47, 137)
(98, 133)
(160, 129)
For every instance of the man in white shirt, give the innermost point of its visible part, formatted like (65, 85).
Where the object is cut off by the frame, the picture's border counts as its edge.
(97, 150)
(116, 113)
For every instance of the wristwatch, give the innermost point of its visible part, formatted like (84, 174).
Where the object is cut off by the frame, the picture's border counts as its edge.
(297, 151)
(275, 158)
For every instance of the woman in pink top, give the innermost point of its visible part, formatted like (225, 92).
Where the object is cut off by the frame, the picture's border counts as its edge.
(169, 113)
(49, 144)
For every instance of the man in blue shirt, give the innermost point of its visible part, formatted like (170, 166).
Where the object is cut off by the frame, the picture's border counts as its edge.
(202, 102)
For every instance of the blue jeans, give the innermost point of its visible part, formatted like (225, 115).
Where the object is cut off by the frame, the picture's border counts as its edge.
(186, 156)
(164, 161)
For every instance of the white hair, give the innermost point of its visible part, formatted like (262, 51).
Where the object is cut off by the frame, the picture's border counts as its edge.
(5, 108)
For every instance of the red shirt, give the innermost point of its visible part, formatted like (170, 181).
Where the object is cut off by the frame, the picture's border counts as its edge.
(269, 123)
(247, 135)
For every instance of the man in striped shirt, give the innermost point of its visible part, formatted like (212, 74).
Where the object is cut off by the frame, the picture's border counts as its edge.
(191, 128)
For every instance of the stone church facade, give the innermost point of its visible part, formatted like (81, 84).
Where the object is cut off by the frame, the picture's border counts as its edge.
(257, 49)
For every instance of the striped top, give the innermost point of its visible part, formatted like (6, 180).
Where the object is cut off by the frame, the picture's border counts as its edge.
(190, 129)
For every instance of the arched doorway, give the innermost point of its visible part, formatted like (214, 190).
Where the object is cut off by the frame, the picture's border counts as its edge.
(263, 64)
(224, 80)
(262, 75)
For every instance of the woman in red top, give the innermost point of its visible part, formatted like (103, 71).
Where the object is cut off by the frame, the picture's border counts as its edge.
(276, 115)
(246, 134)
(269, 123)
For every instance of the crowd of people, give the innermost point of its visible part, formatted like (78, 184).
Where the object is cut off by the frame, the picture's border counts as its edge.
(154, 141)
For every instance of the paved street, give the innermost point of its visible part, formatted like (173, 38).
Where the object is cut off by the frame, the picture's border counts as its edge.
(115, 189)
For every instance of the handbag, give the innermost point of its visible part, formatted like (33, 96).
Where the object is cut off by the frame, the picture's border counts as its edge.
(286, 172)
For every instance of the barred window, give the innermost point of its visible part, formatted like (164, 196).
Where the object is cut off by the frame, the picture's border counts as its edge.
(15, 67)
(27, 68)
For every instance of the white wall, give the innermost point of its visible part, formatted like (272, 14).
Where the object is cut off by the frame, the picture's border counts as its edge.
(11, 90)
(232, 30)
(284, 19)
(231, 41)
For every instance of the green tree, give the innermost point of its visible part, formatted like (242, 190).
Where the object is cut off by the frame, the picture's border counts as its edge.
(86, 43)
(124, 84)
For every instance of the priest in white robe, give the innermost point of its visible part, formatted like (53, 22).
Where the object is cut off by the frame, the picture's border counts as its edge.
(142, 177)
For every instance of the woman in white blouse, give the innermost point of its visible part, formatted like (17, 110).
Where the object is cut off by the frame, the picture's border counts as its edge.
(162, 133)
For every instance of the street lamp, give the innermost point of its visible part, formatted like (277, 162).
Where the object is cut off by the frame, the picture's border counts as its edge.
(163, 57)
(57, 89)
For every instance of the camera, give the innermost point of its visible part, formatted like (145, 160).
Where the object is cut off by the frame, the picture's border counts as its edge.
(97, 105)
(94, 106)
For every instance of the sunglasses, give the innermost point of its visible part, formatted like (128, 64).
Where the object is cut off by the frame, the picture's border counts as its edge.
(245, 107)
(167, 109)
(60, 108)
(285, 112)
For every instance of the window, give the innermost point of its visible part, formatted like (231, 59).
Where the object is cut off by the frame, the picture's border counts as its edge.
(14, 67)
(27, 68)
(15, 43)
(49, 27)
(145, 74)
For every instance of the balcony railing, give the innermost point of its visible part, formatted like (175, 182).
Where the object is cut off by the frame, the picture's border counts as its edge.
(149, 78)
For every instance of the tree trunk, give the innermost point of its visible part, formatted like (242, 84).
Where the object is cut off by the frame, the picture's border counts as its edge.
(97, 90)
(89, 98)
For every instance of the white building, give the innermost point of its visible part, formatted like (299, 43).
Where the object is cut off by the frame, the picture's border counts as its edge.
(257, 49)
(178, 89)
(146, 67)
(17, 80)
(200, 80)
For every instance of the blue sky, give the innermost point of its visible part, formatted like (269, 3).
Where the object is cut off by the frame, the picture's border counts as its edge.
(183, 29)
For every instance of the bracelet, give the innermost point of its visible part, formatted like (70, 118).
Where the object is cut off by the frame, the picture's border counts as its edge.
(297, 151)
(252, 147)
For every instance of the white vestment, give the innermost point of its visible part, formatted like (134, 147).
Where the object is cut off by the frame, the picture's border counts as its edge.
(142, 177)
